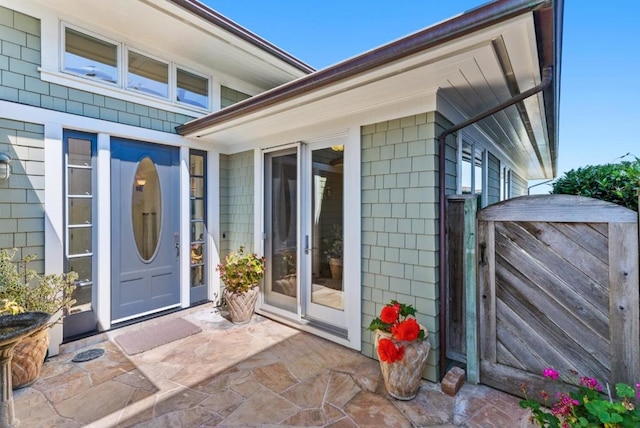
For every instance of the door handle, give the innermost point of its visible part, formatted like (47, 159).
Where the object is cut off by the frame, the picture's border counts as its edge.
(306, 244)
(176, 245)
(483, 247)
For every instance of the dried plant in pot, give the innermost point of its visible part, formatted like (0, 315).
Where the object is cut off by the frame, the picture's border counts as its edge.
(241, 272)
(25, 288)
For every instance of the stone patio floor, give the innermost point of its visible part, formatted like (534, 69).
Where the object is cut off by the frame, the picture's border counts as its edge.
(258, 374)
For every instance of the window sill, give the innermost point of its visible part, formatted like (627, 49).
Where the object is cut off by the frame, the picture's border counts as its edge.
(107, 90)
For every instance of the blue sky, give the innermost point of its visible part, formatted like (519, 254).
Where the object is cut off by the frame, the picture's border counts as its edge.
(600, 90)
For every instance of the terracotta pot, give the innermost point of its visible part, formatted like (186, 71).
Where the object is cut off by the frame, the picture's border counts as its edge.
(336, 268)
(28, 358)
(241, 305)
(402, 378)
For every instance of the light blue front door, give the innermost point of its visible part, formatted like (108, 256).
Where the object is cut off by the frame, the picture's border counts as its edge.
(145, 224)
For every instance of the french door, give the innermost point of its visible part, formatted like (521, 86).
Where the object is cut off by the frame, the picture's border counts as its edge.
(303, 223)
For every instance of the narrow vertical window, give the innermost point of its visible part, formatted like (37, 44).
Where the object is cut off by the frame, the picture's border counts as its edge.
(197, 168)
(79, 197)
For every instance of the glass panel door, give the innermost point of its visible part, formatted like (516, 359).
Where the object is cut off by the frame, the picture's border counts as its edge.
(324, 287)
(281, 229)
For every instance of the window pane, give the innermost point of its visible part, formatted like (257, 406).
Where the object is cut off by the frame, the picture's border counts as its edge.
(79, 181)
(79, 240)
(197, 187)
(146, 208)
(197, 209)
(197, 231)
(82, 266)
(79, 152)
(197, 165)
(466, 170)
(192, 89)
(148, 75)
(90, 57)
(79, 211)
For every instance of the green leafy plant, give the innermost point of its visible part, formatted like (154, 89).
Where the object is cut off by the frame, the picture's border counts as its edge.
(31, 291)
(399, 320)
(9, 307)
(334, 245)
(241, 271)
(588, 407)
(617, 183)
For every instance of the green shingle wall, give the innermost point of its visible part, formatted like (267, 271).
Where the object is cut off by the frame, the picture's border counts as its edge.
(20, 82)
(230, 96)
(518, 185)
(400, 221)
(493, 179)
(22, 196)
(236, 202)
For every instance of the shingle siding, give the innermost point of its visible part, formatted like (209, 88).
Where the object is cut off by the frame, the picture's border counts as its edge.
(493, 179)
(20, 82)
(400, 218)
(22, 196)
(518, 185)
(236, 202)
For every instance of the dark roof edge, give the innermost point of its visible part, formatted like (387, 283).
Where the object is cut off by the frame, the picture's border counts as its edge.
(208, 14)
(469, 22)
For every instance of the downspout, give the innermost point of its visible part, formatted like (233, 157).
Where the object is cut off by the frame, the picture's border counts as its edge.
(547, 75)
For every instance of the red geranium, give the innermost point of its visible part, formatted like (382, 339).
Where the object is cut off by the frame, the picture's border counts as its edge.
(406, 330)
(399, 320)
(389, 351)
(389, 314)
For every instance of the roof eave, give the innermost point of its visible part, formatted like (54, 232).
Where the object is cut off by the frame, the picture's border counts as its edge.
(228, 25)
(472, 21)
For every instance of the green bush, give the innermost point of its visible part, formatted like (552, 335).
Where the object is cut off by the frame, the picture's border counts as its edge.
(617, 183)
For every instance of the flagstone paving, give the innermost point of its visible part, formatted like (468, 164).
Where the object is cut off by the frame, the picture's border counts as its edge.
(258, 374)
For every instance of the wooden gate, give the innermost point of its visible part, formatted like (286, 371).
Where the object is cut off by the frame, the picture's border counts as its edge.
(558, 287)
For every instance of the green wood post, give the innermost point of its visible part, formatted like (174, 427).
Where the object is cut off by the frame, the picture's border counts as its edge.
(470, 224)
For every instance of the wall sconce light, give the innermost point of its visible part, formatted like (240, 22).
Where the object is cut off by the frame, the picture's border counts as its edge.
(141, 182)
(5, 166)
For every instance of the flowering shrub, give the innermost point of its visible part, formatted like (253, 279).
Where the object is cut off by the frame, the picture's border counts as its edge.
(588, 407)
(241, 271)
(399, 320)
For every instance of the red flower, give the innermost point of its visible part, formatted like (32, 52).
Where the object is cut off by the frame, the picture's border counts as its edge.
(406, 330)
(389, 314)
(389, 352)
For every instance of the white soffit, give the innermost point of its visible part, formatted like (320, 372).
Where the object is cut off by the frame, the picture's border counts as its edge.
(164, 29)
(466, 71)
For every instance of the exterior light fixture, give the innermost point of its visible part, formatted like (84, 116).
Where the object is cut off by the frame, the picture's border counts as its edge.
(5, 166)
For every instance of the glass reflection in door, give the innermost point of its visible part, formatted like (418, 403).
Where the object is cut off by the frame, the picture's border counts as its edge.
(326, 228)
(281, 219)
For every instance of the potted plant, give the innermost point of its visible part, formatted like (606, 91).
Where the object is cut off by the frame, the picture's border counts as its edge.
(333, 252)
(402, 349)
(241, 272)
(21, 287)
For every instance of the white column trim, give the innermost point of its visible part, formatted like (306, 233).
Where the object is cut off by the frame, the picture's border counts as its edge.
(213, 225)
(102, 252)
(54, 214)
(184, 229)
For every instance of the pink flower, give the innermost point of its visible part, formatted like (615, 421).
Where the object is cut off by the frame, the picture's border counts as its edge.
(550, 373)
(638, 388)
(590, 383)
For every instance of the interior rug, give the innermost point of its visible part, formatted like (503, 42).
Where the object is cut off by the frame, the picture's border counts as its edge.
(153, 336)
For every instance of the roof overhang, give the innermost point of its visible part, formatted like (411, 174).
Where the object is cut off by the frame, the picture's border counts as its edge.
(473, 62)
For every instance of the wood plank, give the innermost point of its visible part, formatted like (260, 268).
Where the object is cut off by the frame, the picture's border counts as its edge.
(471, 306)
(587, 236)
(589, 263)
(623, 303)
(558, 208)
(456, 328)
(567, 342)
(486, 288)
(578, 291)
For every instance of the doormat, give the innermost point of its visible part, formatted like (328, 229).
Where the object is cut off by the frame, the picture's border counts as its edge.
(153, 336)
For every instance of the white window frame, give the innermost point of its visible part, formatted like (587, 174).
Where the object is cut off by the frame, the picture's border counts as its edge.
(63, 51)
(174, 98)
(170, 74)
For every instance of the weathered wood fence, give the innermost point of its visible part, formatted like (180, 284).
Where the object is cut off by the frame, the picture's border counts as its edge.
(557, 286)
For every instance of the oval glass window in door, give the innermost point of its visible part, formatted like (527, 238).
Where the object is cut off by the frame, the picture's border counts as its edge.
(146, 208)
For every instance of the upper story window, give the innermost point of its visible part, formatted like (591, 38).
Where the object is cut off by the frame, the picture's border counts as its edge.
(90, 57)
(99, 59)
(147, 75)
(192, 89)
